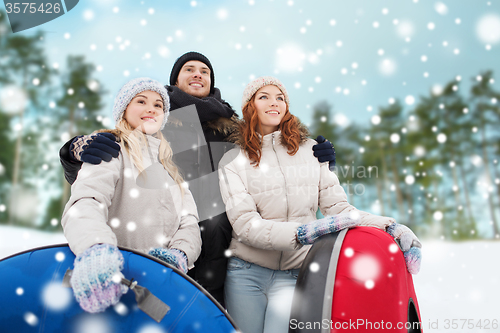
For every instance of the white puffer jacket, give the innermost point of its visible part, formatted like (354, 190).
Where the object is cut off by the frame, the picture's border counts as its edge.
(113, 203)
(266, 204)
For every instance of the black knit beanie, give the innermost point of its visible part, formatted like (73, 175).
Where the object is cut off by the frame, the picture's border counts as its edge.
(188, 57)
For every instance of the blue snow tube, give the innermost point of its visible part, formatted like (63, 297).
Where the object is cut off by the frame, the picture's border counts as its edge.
(33, 298)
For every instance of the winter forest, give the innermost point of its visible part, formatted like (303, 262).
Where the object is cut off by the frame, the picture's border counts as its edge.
(430, 160)
(408, 92)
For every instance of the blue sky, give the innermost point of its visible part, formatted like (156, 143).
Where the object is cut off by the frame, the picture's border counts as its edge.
(356, 55)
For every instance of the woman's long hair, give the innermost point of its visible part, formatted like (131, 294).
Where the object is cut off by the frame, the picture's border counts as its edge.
(250, 127)
(134, 140)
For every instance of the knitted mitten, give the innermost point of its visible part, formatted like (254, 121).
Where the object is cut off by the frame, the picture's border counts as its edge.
(94, 148)
(96, 278)
(308, 233)
(173, 257)
(406, 237)
(413, 258)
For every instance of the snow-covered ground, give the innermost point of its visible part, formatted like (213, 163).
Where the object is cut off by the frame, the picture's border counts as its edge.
(13, 239)
(458, 287)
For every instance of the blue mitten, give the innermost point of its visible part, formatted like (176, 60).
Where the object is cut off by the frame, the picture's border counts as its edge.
(308, 233)
(413, 259)
(173, 257)
(410, 245)
(96, 278)
(324, 151)
(94, 148)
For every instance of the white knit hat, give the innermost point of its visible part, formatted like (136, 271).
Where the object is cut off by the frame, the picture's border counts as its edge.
(134, 87)
(260, 82)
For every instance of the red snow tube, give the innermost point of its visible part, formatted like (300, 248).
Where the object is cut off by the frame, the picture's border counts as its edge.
(355, 281)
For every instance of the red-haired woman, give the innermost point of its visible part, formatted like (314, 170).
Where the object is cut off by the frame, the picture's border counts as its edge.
(272, 187)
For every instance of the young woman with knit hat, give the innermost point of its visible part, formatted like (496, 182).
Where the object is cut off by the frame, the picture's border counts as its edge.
(136, 200)
(272, 187)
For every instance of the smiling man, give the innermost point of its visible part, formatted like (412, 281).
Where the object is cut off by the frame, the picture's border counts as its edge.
(192, 82)
(195, 79)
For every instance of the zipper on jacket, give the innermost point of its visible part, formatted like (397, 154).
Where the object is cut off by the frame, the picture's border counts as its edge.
(286, 194)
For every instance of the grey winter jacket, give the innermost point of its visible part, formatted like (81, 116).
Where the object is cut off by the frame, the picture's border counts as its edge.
(113, 203)
(266, 204)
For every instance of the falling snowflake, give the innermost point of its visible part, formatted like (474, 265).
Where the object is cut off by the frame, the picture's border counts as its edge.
(441, 8)
(376, 120)
(314, 267)
(405, 29)
(488, 29)
(410, 180)
(369, 284)
(441, 138)
(395, 138)
(131, 226)
(341, 120)
(289, 57)
(95, 323)
(31, 319)
(437, 89)
(222, 14)
(60, 256)
(163, 51)
(88, 15)
(121, 309)
(476, 160)
(387, 67)
(419, 151)
(409, 100)
(438, 216)
(56, 297)
(365, 267)
(13, 99)
(93, 85)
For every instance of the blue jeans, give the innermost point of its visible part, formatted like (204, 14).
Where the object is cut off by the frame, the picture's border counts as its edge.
(259, 299)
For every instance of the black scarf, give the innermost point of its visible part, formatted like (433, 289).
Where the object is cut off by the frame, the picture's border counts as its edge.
(209, 108)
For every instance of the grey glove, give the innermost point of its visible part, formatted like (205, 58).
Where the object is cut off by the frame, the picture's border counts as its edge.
(406, 237)
(410, 245)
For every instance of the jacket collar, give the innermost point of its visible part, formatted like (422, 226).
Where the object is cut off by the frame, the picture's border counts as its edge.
(267, 140)
(153, 144)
